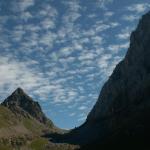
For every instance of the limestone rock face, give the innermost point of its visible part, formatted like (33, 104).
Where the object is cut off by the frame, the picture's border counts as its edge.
(20, 102)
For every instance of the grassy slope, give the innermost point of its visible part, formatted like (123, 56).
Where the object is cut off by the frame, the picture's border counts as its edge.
(16, 130)
(13, 125)
(24, 133)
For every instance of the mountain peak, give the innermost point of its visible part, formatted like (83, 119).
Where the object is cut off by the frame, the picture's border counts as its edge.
(19, 91)
(19, 100)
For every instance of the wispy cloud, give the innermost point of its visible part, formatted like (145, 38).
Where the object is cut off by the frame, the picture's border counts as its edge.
(82, 107)
(14, 74)
(118, 47)
(130, 18)
(22, 5)
(139, 7)
(103, 3)
(125, 34)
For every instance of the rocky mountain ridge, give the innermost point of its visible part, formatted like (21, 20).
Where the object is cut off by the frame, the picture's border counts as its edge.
(20, 102)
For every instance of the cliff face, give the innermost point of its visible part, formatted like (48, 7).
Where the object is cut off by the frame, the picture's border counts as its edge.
(123, 107)
(20, 102)
(128, 84)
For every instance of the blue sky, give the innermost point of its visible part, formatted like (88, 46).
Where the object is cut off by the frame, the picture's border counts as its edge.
(61, 52)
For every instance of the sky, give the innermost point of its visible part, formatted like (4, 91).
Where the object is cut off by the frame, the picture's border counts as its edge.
(62, 51)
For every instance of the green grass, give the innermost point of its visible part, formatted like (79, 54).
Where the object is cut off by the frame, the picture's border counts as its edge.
(32, 125)
(38, 144)
(5, 147)
(7, 118)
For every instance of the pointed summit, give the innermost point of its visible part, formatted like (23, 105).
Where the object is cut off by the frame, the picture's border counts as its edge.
(19, 100)
(19, 91)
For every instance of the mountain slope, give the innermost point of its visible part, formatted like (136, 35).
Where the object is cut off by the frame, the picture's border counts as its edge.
(23, 124)
(16, 130)
(122, 111)
(25, 133)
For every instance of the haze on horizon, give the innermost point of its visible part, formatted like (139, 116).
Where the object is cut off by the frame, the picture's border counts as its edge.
(62, 52)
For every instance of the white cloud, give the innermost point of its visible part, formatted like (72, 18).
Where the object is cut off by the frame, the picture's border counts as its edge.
(21, 5)
(17, 74)
(72, 114)
(118, 47)
(101, 26)
(26, 15)
(108, 13)
(106, 64)
(124, 34)
(104, 60)
(139, 7)
(66, 51)
(69, 18)
(81, 119)
(87, 56)
(130, 17)
(47, 39)
(97, 40)
(82, 107)
(48, 24)
(103, 3)
(92, 15)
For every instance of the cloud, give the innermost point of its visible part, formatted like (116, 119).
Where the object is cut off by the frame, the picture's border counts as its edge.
(17, 74)
(103, 61)
(124, 34)
(108, 13)
(103, 3)
(47, 39)
(118, 47)
(71, 15)
(61, 54)
(72, 114)
(139, 7)
(26, 16)
(87, 56)
(49, 14)
(82, 107)
(81, 119)
(21, 5)
(48, 24)
(97, 40)
(130, 18)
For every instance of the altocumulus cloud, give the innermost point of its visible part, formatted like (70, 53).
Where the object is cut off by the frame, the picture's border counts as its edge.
(61, 52)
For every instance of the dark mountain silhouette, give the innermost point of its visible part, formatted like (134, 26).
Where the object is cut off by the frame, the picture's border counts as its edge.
(121, 116)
